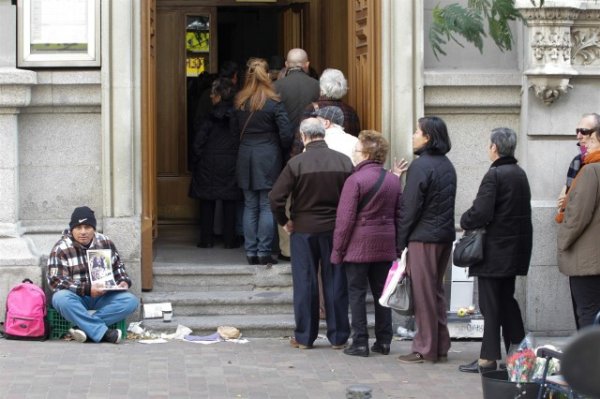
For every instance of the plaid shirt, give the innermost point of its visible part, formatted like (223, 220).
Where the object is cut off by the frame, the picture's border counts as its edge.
(68, 266)
(573, 169)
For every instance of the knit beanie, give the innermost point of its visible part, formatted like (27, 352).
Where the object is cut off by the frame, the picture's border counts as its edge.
(82, 215)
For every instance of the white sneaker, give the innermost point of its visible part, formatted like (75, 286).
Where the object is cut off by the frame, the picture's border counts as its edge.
(78, 335)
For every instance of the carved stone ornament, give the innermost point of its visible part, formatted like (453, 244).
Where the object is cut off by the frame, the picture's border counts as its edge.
(549, 88)
(586, 46)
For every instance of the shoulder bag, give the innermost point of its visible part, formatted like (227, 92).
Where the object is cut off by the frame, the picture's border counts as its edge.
(469, 249)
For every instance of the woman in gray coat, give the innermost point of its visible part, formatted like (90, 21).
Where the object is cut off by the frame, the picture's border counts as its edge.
(503, 208)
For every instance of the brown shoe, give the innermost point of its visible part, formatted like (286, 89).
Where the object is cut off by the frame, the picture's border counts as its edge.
(410, 358)
(342, 346)
(297, 345)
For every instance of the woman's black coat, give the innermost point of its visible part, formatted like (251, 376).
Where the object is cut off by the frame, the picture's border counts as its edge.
(215, 151)
(503, 207)
(266, 135)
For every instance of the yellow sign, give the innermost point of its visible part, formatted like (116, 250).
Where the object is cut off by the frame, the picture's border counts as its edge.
(194, 66)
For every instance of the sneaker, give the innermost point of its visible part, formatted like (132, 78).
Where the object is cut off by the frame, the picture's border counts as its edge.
(78, 335)
(297, 345)
(414, 357)
(112, 336)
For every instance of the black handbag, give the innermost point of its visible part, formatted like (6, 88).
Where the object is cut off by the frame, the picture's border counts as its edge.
(469, 249)
(401, 299)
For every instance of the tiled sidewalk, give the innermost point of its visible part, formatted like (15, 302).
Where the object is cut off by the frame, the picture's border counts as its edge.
(262, 368)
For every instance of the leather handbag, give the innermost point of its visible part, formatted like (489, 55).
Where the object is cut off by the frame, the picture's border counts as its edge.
(469, 249)
(397, 291)
(401, 299)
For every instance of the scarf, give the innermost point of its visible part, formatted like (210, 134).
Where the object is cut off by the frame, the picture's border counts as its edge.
(590, 157)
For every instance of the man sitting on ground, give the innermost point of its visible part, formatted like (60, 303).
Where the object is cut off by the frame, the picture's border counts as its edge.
(69, 277)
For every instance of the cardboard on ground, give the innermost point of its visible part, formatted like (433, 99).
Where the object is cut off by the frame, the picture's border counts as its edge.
(155, 310)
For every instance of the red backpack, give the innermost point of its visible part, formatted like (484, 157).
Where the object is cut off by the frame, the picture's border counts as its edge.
(26, 312)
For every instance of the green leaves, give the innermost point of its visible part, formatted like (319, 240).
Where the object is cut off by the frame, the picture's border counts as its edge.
(468, 22)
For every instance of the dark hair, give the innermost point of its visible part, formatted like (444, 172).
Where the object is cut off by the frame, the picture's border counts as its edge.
(374, 145)
(228, 69)
(223, 87)
(435, 129)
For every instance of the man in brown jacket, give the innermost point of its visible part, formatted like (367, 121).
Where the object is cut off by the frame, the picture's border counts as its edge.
(314, 180)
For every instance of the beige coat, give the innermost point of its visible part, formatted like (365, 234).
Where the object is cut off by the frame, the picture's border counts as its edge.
(579, 233)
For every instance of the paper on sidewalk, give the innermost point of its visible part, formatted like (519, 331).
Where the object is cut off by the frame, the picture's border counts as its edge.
(180, 333)
(153, 341)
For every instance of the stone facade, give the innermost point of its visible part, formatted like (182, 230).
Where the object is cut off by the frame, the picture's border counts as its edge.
(74, 137)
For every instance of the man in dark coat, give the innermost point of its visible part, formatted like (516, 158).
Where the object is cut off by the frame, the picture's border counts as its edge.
(503, 208)
(297, 89)
(314, 181)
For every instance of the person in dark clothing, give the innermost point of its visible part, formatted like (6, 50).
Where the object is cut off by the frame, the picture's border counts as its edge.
(427, 228)
(364, 239)
(213, 175)
(333, 86)
(314, 181)
(262, 125)
(503, 207)
(297, 89)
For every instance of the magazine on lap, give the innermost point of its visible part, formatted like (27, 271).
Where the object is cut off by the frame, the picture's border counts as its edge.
(100, 267)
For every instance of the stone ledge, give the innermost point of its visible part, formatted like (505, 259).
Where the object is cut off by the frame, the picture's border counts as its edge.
(488, 78)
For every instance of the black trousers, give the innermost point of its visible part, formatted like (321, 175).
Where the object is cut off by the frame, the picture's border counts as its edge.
(307, 250)
(359, 275)
(207, 221)
(500, 310)
(586, 295)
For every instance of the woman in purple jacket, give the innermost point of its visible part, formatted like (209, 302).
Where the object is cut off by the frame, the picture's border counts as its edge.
(364, 239)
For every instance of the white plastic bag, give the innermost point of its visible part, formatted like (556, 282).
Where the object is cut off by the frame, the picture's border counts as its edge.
(397, 271)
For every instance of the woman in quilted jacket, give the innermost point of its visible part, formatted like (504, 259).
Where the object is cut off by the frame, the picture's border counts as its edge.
(364, 239)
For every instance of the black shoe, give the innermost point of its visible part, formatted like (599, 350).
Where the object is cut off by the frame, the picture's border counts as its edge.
(283, 257)
(266, 260)
(252, 260)
(112, 336)
(353, 350)
(384, 349)
(205, 244)
(474, 367)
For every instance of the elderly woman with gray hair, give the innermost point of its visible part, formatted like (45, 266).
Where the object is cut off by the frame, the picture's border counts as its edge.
(333, 87)
(503, 207)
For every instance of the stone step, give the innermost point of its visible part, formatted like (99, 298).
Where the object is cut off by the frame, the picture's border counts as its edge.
(251, 326)
(188, 277)
(188, 303)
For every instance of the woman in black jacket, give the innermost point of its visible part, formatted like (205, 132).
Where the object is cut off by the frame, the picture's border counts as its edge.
(426, 227)
(503, 208)
(214, 158)
(262, 125)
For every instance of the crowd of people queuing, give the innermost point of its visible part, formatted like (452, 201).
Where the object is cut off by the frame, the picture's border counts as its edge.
(315, 190)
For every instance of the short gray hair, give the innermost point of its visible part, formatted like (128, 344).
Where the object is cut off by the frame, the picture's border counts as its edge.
(312, 128)
(596, 118)
(333, 84)
(505, 140)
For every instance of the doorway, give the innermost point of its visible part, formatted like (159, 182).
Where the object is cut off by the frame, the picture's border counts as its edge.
(192, 43)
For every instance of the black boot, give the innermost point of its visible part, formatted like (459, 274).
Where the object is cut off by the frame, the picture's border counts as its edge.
(252, 260)
(384, 349)
(357, 350)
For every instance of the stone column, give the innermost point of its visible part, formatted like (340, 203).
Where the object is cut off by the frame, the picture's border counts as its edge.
(121, 129)
(16, 258)
(402, 76)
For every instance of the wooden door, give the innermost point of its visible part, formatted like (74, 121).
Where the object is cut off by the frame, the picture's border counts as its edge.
(173, 67)
(148, 100)
(364, 55)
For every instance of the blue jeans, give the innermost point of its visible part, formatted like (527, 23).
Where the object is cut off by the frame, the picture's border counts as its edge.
(110, 308)
(258, 223)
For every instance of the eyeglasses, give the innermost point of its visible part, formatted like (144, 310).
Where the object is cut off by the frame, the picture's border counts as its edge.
(584, 132)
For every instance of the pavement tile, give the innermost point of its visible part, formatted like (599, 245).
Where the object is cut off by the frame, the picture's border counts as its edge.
(262, 369)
